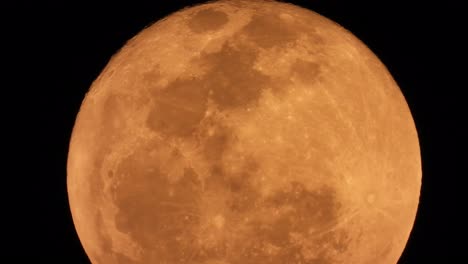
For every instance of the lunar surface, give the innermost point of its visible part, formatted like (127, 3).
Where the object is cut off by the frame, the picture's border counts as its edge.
(244, 132)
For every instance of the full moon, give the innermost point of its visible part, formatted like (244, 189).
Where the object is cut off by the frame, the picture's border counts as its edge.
(244, 132)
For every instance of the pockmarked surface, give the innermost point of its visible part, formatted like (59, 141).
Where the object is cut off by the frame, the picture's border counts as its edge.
(244, 132)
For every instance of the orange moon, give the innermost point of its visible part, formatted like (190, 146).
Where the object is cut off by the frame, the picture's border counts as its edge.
(244, 132)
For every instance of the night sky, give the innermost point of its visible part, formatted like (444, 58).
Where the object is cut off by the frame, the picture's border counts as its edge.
(59, 48)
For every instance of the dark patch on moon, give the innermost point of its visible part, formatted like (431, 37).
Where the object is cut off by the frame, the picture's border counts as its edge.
(268, 31)
(310, 209)
(240, 182)
(152, 210)
(241, 195)
(110, 174)
(306, 71)
(207, 20)
(179, 108)
(214, 139)
(231, 82)
(215, 143)
(232, 79)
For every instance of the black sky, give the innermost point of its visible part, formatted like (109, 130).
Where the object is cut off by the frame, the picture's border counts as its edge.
(59, 48)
